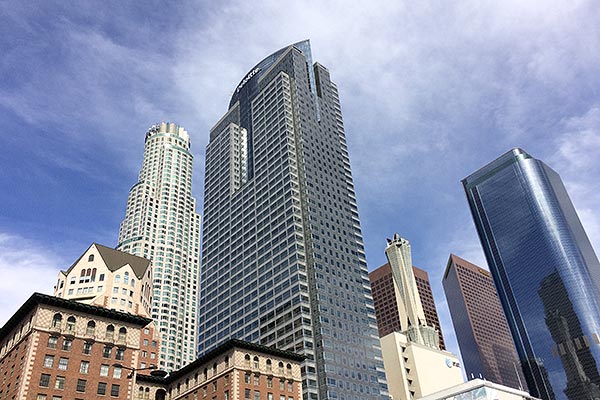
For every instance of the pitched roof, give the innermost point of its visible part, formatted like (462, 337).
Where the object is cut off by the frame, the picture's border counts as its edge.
(115, 259)
(39, 298)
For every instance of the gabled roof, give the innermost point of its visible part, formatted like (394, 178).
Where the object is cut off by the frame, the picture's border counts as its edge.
(39, 298)
(115, 259)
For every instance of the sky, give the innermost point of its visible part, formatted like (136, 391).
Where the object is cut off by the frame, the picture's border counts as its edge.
(430, 92)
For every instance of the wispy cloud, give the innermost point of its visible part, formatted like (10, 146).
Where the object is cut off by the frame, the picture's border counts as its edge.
(25, 267)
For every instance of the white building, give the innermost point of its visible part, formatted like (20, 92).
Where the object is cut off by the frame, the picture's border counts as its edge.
(108, 278)
(161, 224)
(414, 370)
(478, 389)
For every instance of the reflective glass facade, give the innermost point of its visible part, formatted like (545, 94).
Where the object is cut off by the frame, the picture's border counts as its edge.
(283, 258)
(545, 271)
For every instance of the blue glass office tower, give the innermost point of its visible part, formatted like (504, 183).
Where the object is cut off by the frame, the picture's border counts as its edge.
(545, 270)
(283, 262)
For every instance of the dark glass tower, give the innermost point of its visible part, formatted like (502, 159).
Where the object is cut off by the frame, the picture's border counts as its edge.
(545, 270)
(283, 262)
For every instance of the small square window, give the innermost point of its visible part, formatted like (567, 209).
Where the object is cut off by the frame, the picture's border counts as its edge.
(45, 380)
(101, 388)
(48, 361)
(52, 342)
(67, 343)
(59, 383)
(63, 364)
(81, 385)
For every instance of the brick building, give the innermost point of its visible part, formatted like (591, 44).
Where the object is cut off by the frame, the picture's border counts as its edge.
(55, 349)
(58, 349)
(236, 370)
(384, 300)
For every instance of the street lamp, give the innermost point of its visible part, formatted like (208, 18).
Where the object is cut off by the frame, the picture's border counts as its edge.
(133, 374)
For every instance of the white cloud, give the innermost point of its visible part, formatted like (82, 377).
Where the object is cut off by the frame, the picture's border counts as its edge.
(576, 160)
(25, 267)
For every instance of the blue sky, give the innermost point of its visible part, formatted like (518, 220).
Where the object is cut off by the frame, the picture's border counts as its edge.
(430, 92)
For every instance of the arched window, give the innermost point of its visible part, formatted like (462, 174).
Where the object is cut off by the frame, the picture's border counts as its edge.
(247, 360)
(71, 323)
(226, 361)
(214, 369)
(133, 283)
(126, 278)
(122, 334)
(269, 365)
(57, 321)
(196, 378)
(93, 274)
(205, 374)
(117, 278)
(255, 362)
(140, 393)
(110, 332)
(289, 368)
(91, 328)
(91, 257)
(280, 367)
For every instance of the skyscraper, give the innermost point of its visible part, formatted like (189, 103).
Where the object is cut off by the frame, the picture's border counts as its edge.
(161, 224)
(283, 258)
(545, 270)
(386, 307)
(485, 342)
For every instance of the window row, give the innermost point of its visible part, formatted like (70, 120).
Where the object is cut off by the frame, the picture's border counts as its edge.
(81, 386)
(109, 334)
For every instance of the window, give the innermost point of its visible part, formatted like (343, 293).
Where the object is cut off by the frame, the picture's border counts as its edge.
(101, 388)
(214, 386)
(84, 367)
(106, 351)
(71, 324)
(247, 360)
(122, 334)
(110, 332)
(87, 348)
(256, 395)
(67, 343)
(120, 354)
(101, 277)
(59, 383)
(290, 386)
(45, 380)
(126, 278)
(255, 362)
(41, 397)
(48, 361)
(56, 321)
(257, 379)
(247, 394)
(269, 396)
(91, 257)
(269, 381)
(226, 395)
(117, 278)
(81, 385)
(52, 342)
(117, 372)
(91, 328)
(269, 365)
(281, 384)
(247, 377)
(63, 364)
(56, 397)
(104, 370)
(114, 390)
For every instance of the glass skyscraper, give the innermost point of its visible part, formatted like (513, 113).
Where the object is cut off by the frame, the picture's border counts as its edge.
(545, 270)
(283, 258)
(161, 224)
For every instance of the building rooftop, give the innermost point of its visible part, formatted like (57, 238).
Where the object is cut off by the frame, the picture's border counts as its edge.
(39, 298)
